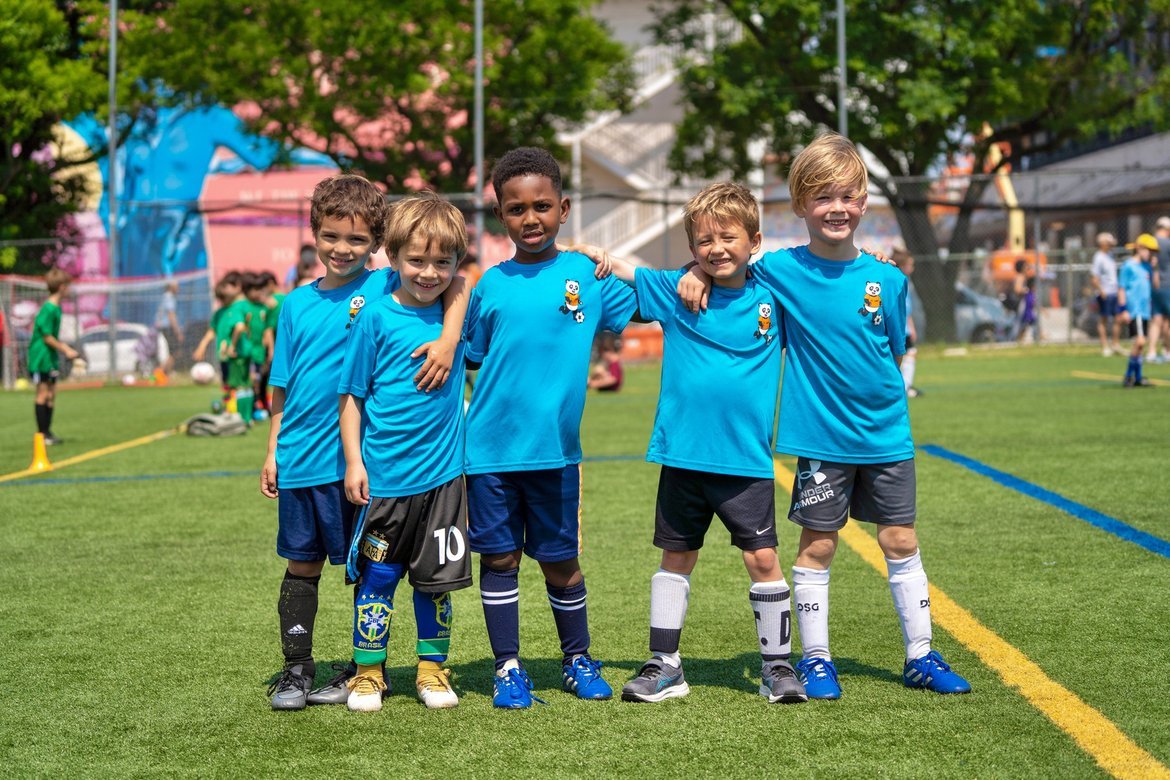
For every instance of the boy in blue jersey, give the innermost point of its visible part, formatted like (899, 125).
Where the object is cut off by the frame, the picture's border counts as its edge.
(404, 457)
(530, 326)
(843, 410)
(1134, 300)
(713, 436)
(305, 466)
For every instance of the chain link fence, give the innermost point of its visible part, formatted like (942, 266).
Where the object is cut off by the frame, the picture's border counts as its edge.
(118, 327)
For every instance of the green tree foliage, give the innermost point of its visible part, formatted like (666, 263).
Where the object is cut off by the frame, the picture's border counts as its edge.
(924, 77)
(383, 88)
(44, 78)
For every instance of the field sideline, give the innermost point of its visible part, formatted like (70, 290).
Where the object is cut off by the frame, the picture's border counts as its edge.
(139, 625)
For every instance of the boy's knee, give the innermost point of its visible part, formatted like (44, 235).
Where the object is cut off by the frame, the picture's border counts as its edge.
(762, 565)
(501, 561)
(817, 549)
(897, 541)
(562, 574)
(306, 568)
(679, 561)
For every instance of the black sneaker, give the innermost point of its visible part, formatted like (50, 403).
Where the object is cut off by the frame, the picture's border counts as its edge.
(51, 440)
(291, 689)
(779, 683)
(336, 691)
(656, 681)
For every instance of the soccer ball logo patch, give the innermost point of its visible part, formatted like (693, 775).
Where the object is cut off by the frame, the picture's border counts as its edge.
(572, 304)
(355, 305)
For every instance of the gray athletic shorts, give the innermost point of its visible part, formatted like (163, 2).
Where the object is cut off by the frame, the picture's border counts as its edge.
(427, 533)
(687, 500)
(825, 495)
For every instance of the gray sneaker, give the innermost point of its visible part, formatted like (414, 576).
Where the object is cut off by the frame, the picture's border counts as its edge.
(291, 689)
(656, 681)
(335, 691)
(779, 683)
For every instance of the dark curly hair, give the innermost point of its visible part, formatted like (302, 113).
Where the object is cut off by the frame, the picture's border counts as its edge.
(525, 161)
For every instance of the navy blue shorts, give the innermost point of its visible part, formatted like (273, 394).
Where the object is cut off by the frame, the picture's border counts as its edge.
(1107, 306)
(538, 512)
(315, 523)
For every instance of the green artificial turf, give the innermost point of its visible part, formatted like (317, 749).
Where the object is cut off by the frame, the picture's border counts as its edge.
(138, 628)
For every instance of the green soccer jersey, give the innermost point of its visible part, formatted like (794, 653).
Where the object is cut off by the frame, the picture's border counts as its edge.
(274, 312)
(41, 357)
(255, 320)
(231, 316)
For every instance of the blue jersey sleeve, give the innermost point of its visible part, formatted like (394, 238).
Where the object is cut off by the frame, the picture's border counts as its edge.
(768, 270)
(618, 303)
(896, 316)
(278, 376)
(657, 293)
(361, 353)
(475, 330)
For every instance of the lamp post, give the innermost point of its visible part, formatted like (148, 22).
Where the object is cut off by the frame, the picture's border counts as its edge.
(112, 184)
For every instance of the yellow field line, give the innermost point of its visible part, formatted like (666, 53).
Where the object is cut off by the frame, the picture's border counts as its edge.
(91, 455)
(1113, 377)
(1117, 754)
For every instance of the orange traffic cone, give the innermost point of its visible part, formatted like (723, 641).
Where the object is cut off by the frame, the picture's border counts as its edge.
(40, 460)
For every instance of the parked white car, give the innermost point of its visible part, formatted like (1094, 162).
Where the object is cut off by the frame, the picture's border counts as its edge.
(135, 351)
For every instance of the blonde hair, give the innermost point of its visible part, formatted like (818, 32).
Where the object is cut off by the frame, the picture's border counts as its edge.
(831, 159)
(438, 220)
(723, 202)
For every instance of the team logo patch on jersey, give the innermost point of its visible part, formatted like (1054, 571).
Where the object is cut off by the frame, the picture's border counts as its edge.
(872, 302)
(572, 304)
(355, 305)
(373, 621)
(764, 323)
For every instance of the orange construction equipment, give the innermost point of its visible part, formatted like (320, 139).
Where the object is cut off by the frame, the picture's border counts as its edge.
(40, 461)
(1002, 263)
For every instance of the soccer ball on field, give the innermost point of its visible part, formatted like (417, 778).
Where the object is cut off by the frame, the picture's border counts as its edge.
(202, 373)
(129, 379)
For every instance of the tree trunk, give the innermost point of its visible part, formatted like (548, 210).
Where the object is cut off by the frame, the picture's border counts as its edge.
(933, 278)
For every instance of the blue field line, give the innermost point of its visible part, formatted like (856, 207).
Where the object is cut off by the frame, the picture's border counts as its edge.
(129, 478)
(1091, 516)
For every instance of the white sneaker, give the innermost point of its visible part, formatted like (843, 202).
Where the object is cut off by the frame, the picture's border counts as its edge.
(1107, 352)
(365, 689)
(434, 686)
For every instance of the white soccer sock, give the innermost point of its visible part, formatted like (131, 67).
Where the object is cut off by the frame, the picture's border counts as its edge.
(911, 595)
(909, 360)
(810, 591)
(772, 605)
(669, 593)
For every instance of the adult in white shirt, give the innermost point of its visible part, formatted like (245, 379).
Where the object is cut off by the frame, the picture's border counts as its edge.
(1104, 273)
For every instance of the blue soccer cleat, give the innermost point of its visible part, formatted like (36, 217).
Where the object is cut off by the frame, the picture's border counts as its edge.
(934, 674)
(582, 676)
(513, 690)
(819, 677)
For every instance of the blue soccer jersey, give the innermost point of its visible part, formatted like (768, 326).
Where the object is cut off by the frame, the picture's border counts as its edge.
(532, 325)
(1135, 280)
(842, 398)
(411, 441)
(720, 373)
(310, 345)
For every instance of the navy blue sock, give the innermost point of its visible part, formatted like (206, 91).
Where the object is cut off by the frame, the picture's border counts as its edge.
(1137, 369)
(500, 593)
(569, 613)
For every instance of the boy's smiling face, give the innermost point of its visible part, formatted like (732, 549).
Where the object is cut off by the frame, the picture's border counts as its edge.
(723, 250)
(425, 271)
(343, 247)
(532, 211)
(832, 215)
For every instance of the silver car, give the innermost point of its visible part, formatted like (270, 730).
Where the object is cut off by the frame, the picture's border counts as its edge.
(980, 319)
